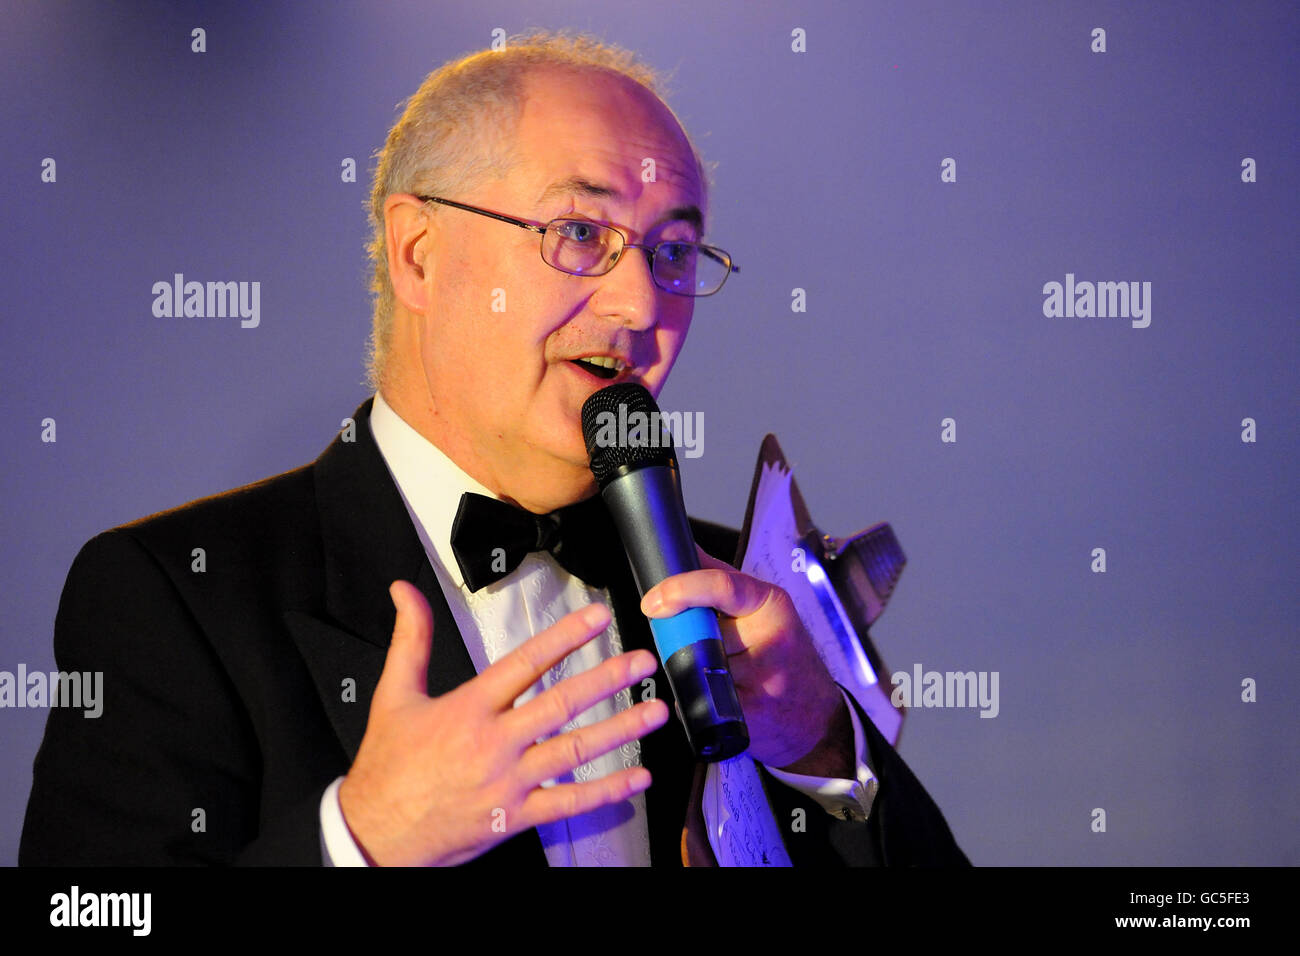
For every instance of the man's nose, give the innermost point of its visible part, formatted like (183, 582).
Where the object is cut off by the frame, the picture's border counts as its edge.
(627, 293)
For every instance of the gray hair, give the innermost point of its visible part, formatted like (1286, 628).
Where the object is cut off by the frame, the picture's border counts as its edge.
(454, 134)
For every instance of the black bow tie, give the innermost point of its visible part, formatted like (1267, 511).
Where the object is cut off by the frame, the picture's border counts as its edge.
(490, 537)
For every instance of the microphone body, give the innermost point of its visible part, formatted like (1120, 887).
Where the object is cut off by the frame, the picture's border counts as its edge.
(641, 486)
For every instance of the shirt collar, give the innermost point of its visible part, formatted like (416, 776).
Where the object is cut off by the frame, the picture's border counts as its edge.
(430, 483)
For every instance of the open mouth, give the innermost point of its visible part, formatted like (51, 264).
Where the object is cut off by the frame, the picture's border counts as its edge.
(600, 366)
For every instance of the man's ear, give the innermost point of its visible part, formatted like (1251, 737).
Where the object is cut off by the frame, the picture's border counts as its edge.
(408, 232)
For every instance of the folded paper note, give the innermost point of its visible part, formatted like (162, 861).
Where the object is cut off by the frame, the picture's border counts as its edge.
(839, 587)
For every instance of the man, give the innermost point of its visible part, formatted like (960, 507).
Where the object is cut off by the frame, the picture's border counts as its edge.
(269, 709)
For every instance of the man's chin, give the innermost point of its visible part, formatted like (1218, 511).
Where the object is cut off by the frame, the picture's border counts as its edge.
(557, 476)
(583, 481)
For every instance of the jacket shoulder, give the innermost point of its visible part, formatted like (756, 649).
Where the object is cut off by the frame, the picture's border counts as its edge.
(262, 504)
(253, 536)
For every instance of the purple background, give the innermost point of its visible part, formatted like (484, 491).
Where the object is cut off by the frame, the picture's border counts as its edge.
(1118, 690)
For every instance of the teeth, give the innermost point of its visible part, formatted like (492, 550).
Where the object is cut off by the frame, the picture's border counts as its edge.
(605, 361)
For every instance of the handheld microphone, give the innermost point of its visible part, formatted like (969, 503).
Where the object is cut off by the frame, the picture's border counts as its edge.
(635, 466)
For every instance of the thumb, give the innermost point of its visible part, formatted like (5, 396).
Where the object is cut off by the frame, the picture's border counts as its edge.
(407, 665)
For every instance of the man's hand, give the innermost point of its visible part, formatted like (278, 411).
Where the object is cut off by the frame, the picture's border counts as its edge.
(797, 717)
(441, 780)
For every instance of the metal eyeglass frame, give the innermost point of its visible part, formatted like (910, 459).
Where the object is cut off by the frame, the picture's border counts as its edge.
(713, 252)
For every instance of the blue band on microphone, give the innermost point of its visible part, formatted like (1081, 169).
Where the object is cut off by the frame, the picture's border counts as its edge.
(683, 629)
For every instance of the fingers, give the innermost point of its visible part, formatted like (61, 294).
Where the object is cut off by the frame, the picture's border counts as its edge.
(563, 753)
(547, 804)
(521, 668)
(549, 711)
(406, 669)
(730, 591)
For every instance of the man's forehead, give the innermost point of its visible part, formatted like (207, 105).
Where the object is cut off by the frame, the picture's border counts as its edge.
(602, 136)
(586, 187)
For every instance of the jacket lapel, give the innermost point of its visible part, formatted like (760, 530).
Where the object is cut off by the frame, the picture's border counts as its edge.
(368, 541)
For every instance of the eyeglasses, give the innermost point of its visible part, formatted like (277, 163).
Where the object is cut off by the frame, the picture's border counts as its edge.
(581, 247)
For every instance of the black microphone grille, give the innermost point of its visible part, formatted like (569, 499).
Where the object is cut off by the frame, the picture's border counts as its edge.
(622, 426)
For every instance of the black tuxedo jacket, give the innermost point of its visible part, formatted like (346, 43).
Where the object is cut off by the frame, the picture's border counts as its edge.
(228, 632)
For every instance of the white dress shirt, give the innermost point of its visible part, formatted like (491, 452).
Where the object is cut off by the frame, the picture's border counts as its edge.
(498, 618)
